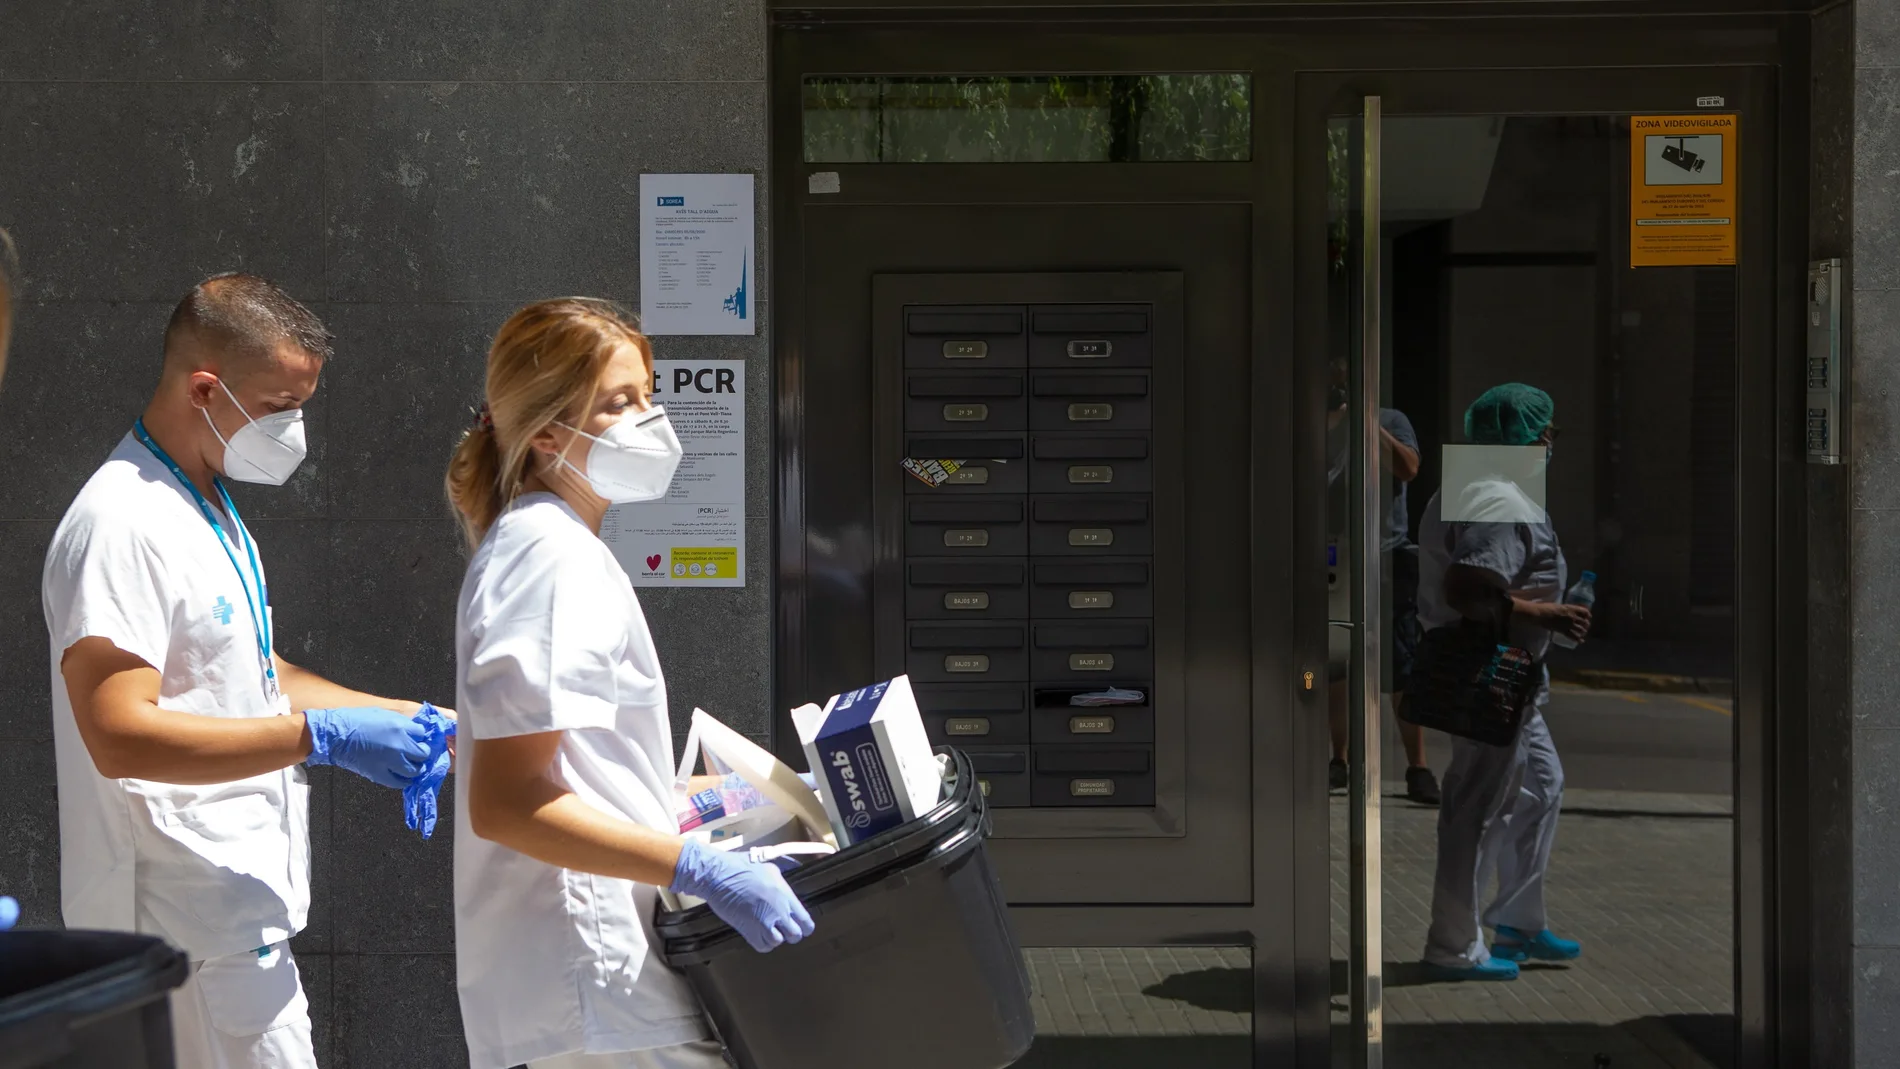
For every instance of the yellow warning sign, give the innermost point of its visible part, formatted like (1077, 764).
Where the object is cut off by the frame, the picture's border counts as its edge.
(1683, 200)
(705, 562)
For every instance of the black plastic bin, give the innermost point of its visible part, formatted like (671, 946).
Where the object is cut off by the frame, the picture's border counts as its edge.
(914, 963)
(86, 1000)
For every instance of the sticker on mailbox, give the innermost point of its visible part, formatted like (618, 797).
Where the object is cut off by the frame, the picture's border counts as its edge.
(938, 472)
(932, 472)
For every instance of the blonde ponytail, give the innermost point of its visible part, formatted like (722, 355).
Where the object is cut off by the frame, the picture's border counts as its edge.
(544, 365)
(474, 482)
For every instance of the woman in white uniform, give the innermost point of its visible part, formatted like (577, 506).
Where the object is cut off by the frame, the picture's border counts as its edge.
(568, 821)
(1497, 559)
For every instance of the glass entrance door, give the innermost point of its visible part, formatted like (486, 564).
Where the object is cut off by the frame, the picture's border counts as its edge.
(1540, 310)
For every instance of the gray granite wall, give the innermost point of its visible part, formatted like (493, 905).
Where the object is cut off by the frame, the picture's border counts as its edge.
(1818, 767)
(413, 171)
(1874, 272)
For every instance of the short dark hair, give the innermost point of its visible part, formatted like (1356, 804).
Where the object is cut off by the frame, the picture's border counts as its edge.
(246, 314)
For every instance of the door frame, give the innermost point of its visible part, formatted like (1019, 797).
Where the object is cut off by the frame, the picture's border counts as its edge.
(1288, 57)
(1749, 93)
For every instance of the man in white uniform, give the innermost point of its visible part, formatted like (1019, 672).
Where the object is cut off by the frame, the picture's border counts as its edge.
(180, 733)
(1497, 555)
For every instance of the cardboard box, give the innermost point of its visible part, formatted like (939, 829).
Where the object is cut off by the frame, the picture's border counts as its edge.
(872, 758)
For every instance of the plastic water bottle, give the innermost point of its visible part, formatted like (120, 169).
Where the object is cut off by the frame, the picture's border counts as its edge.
(1582, 592)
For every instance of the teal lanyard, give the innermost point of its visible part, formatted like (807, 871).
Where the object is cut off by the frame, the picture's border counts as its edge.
(260, 606)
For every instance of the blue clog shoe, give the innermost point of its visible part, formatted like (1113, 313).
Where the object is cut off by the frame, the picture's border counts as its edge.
(1513, 945)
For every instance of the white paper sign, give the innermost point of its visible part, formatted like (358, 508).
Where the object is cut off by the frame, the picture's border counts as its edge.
(1492, 483)
(695, 536)
(696, 269)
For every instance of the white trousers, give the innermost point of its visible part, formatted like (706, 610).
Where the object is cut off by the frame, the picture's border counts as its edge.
(1498, 814)
(704, 1054)
(246, 1011)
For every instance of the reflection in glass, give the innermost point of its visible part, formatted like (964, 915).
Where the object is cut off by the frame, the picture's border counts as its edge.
(1029, 119)
(1506, 263)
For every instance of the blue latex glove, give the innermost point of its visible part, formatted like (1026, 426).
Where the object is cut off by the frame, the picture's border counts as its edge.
(380, 745)
(419, 797)
(9, 913)
(751, 896)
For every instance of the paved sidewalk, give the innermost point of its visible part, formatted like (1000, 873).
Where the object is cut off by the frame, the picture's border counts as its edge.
(1642, 879)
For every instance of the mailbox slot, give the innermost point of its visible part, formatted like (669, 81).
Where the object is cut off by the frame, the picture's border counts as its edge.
(967, 653)
(965, 527)
(1098, 525)
(964, 403)
(983, 589)
(1067, 463)
(1091, 589)
(1086, 652)
(1003, 775)
(970, 337)
(974, 715)
(1055, 721)
(1080, 401)
(993, 464)
(1091, 336)
(1091, 776)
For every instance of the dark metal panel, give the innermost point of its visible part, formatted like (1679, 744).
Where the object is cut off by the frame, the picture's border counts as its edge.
(1557, 43)
(1293, 962)
(1312, 104)
(847, 247)
(1760, 363)
(1037, 874)
(1189, 12)
(1811, 970)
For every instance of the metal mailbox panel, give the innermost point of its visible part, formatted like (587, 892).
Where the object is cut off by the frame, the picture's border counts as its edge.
(967, 653)
(968, 336)
(1091, 463)
(1105, 525)
(1091, 335)
(965, 527)
(980, 714)
(1091, 776)
(1002, 774)
(966, 589)
(993, 464)
(1104, 589)
(1092, 653)
(1090, 401)
(968, 402)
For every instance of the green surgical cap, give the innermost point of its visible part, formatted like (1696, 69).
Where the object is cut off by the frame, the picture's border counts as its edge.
(1511, 414)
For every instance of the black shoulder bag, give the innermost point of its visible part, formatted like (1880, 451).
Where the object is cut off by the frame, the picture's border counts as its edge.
(1468, 681)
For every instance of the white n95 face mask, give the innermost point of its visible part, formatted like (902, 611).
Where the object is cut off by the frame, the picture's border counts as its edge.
(264, 450)
(634, 461)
